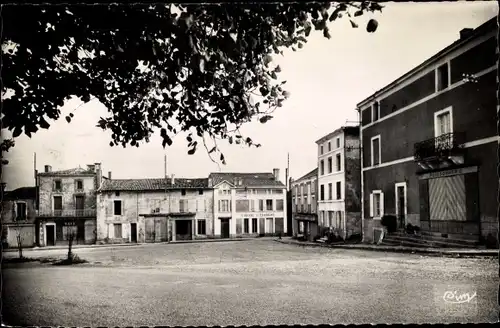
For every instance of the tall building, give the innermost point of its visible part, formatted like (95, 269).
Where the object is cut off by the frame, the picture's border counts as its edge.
(339, 202)
(430, 143)
(304, 205)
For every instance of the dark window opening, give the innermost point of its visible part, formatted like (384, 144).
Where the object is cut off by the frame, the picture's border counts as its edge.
(375, 111)
(57, 185)
(202, 227)
(117, 193)
(118, 207)
(200, 192)
(246, 227)
(183, 192)
(442, 77)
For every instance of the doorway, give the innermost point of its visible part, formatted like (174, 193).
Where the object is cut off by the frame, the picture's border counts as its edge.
(269, 226)
(183, 230)
(133, 232)
(224, 228)
(50, 232)
(401, 204)
(79, 205)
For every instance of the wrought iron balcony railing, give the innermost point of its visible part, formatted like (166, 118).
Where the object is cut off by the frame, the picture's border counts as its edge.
(442, 146)
(67, 213)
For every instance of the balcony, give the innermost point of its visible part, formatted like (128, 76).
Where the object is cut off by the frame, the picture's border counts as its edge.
(67, 213)
(445, 149)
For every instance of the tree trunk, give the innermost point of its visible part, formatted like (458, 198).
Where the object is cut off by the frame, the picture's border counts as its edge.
(70, 245)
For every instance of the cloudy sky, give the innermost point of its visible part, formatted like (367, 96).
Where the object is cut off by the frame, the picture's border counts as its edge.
(326, 79)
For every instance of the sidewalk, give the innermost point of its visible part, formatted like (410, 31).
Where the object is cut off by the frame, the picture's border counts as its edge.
(397, 249)
(47, 248)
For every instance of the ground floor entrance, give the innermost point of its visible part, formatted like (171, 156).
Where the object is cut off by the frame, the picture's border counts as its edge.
(224, 228)
(60, 231)
(183, 229)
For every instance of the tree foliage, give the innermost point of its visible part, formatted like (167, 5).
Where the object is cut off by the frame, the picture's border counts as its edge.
(204, 69)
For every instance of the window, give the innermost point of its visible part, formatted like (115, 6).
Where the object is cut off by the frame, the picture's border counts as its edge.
(377, 204)
(330, 191)
(375, 151)
(338, 142)
(200, 192)
(57, 185)
(330, 165)
(269, 204)
(322, 192)
(202, 227)
(118, 230)
(321, 149)
(118, 207)
(442, 81)
(309, 208)
(79, 184)
(242, 205)
(313, 187)
(57, 203)
(329, 146)
(277, 191)
(117, 193)
(339, 190)
(338, 162)
(224, 205)
(443, 122)
(322, 167)
(21, 211)
(183, 205)
(330, 218)
(279, 204)
(254, 225)
(375, 111)
(183, 192)
(246, 227)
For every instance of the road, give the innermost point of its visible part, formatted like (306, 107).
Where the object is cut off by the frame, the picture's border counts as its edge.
(257, 282)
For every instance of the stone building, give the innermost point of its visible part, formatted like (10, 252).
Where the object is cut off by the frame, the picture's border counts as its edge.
(305, 205)
(154, 210)
(19, 217)
(248, 204)
(430, 143)
(339, 181)
(67, 205)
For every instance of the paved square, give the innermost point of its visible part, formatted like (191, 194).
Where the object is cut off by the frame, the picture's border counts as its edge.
(253, 282)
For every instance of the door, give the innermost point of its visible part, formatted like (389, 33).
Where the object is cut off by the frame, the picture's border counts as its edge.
(447, 199)
(57, 205)
(133, 232)
(269, 225)
(79, 205)
(150, 230)
(401, 206)
(224, 228)
(50, 232)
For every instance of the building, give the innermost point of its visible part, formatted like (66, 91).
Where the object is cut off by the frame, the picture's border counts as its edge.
(154, 210)
(248, 204)
(304, 205)
(67, 205)
(430, 143)
(339, 180)
(19, 217)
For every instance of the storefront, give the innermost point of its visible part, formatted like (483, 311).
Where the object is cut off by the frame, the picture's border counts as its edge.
(307, 226)
(58, 231)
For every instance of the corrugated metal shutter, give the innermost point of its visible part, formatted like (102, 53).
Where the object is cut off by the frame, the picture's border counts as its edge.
(447, 198)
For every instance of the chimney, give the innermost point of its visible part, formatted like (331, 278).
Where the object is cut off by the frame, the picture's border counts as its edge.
(465, 32)
(91, 167)
(173, 179)
(98, 173)
(276, 173)
(48, 168)
(109, 175)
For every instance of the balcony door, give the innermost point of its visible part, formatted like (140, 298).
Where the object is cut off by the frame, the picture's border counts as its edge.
(57, 205)
(443, 128)
(79, 205)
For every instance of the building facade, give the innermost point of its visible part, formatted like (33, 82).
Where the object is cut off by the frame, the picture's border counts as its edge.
(19, 217)
(304, 206)
(339, 181)
(154, 210)
(67, 205)
(430, 143)
(248, 204)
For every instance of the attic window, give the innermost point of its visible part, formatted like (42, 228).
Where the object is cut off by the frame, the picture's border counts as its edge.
(117, 193)
(200, 191)
(183, 192)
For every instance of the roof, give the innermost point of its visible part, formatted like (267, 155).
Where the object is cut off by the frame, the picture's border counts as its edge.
(480, 30)
(313, 173)
(21, 193)
(75, 171)
(152, 184)
(350, 130)
(248, 179)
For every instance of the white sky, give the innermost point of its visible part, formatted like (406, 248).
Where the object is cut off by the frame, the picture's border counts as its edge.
(326, 79)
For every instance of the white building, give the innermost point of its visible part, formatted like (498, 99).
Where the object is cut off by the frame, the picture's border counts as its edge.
(339, 205)
(248, 204)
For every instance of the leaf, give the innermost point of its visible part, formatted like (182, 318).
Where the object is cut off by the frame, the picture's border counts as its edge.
(71, 114)
(300, 45)
(68, 119)
(273, 75)
(371, 26)
(326, 33)
(230, 139)
(44, 124)
(277, 69)
(265, 118)
(189, 138)
(192, 151)
(212, 150)
(353, 24)
(264, 91)
(358, 13)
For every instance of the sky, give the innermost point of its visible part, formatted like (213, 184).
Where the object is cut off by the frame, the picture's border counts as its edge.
(325, 79)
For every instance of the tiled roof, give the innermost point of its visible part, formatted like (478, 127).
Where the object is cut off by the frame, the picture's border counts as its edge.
(20, 193)
(152, 184)
(247, 179)
(350, 130)
(75, 171)
(309, 175)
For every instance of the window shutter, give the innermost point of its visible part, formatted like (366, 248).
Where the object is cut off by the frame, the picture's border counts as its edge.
(371, 205)
(109, 208)
(381, 204)
(122, 204)
(220, 205)
(111, 230)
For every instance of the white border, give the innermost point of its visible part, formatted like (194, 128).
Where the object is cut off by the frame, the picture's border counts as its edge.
(373, 204)
(440, 112)
(379, 151)
(45, 234)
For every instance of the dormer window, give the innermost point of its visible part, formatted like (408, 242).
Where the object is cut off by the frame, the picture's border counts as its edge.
(183, 192)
